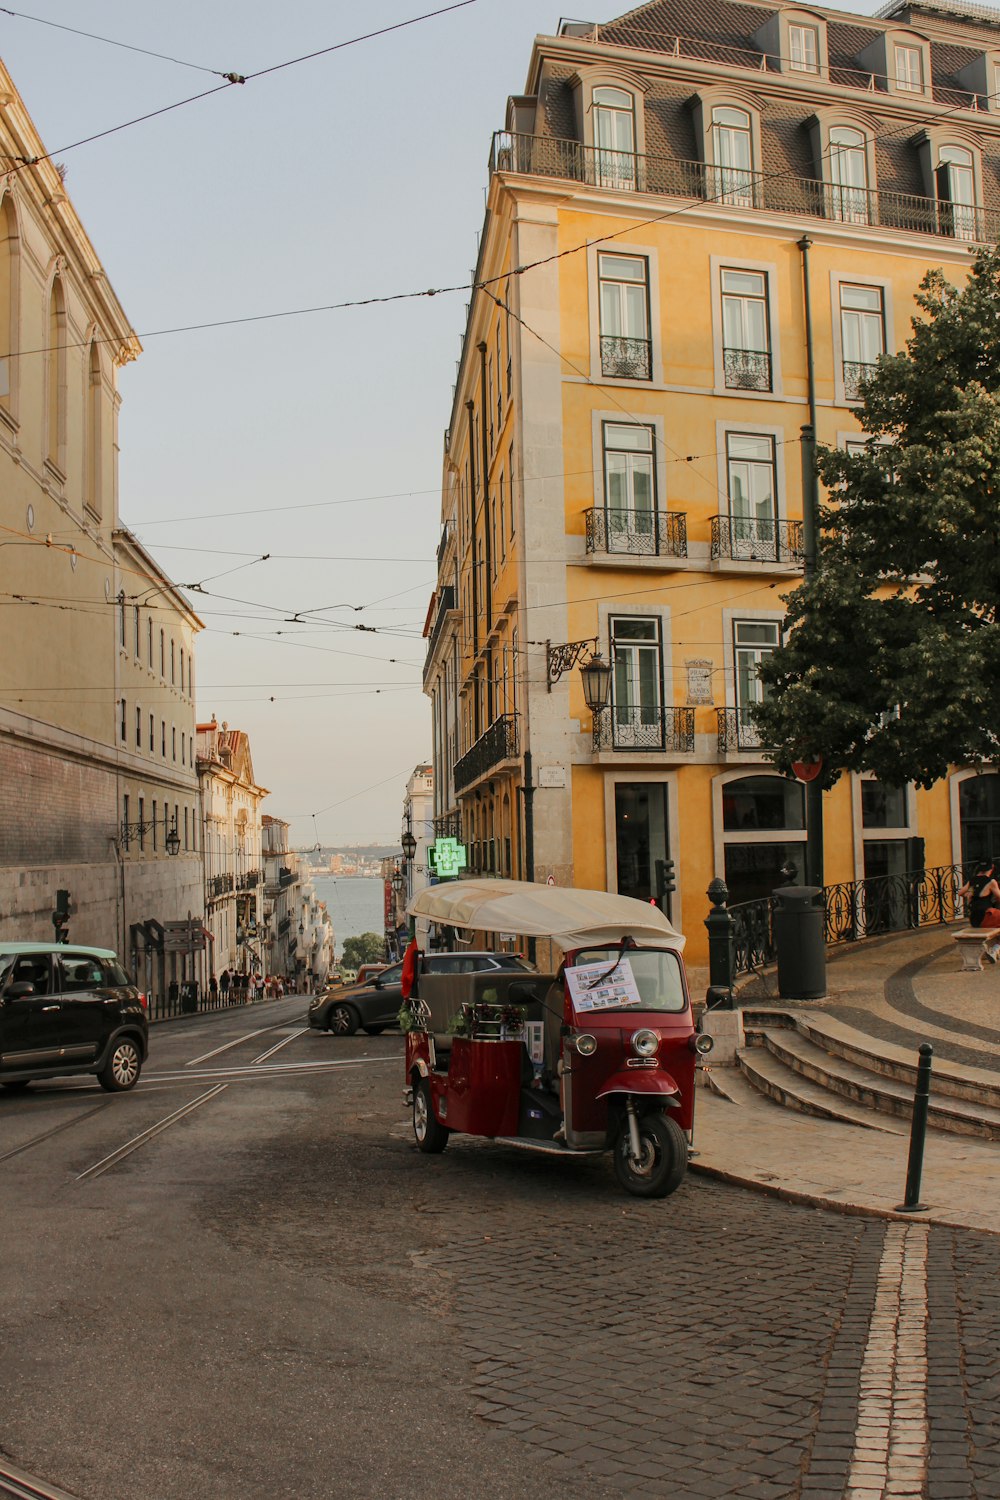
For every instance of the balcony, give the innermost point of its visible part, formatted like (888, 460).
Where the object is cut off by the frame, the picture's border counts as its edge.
(446, 603)
(746, 540)
(286, 877)
(499, 743)
(637, 533)
(644, 727)
(628, 359)
(218, 885)
(802, 197)
(737, 731)
(248, 881)
(747, 369)
(855, 375)
(449, 826)
(283, 925)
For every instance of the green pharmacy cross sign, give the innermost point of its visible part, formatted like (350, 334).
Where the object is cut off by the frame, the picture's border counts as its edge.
(447, 858)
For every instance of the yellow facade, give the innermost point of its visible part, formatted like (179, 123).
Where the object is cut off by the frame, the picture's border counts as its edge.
(640, 487)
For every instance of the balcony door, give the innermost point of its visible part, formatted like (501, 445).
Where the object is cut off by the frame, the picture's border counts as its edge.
(629, 492)
(732, 153)
(753, 505)
(614, 138)
(636, 694)
(848, 175)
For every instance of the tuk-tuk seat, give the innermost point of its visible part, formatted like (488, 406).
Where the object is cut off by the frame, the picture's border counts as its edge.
(445, 994)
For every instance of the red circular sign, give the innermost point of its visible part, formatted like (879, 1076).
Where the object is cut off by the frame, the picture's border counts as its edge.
(808, 770)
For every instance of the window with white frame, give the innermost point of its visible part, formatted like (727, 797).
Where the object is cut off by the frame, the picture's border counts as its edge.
(746, 351)
(862, 334)
(623, 292)
(636, 695)
(753, 497)
(732, 176)
(614, 138)
(753, 643)
(908, 68)
(848, 160)
(629, 487)
(956, 189)
(803, 49)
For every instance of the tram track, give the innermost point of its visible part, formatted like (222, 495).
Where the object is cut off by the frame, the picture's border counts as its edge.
(47, 1135)
(150, 1133)
(21, 1486)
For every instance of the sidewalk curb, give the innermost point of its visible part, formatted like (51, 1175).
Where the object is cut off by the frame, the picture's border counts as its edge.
(833, 1205)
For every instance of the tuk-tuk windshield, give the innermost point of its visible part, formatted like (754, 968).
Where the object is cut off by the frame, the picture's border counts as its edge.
(643, 979)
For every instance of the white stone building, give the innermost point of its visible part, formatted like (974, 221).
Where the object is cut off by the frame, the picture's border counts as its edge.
(233, 861)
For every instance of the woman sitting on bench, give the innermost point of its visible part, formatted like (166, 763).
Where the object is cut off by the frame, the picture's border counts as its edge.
(984, 906)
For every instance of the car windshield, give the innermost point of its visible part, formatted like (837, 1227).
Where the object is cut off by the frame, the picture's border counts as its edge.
(605, 979)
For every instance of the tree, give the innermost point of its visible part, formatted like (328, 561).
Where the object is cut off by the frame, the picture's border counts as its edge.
(366, 948)
(891, 661)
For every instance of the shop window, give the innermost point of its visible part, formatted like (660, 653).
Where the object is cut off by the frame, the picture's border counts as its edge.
(642, 840)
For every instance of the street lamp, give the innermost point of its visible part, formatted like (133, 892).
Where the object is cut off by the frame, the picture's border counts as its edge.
(397, 880)
(596, 679)
(129, 831)
(173, 840)
(409, 844)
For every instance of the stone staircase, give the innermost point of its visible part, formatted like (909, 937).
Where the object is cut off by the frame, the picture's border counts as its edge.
(813, 1063)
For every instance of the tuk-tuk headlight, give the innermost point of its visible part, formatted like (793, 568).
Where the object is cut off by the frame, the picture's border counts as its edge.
(585, 1044)
(702, 1043)
(645, 1043)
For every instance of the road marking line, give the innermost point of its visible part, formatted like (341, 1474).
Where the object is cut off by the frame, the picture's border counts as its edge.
(226, 1045)
(891, 1440)
(56, 1130)
(142, 1139)
(277, 1048)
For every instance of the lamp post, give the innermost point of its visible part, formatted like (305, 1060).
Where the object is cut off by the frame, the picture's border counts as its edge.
(596, 678)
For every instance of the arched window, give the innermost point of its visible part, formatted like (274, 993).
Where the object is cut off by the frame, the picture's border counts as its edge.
(956, 190)
(55, 393)
(848, 175)
(614, 138)
(732, 180)
(763, 830)
(9, 261)
(93, 459)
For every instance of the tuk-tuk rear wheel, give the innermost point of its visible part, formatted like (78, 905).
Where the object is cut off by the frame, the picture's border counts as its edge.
(430, 1135)
(660, 1170)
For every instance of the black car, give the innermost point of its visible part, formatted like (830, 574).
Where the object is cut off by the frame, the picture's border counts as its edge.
(65, 1010)
(374, 1005)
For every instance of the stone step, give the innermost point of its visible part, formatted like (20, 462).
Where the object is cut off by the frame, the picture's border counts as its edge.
(874, 1090)
(975, 1085)
(766, 1074)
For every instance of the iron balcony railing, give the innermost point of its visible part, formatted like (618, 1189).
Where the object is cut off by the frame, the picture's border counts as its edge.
(448, 826)
(856, 909)
(286, 877)
(248, 880)
(737, 730)
(629, 359)
(219, 885)
(284, 924)
(446, 602)
(545, 156)
(447, 531)
(747, 369)
(745, 539)
(856, 372)
(638, 727)
(639, 533)
(500, 742)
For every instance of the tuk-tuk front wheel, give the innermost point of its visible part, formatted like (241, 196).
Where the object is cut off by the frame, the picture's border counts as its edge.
(662, 1162)
(430, 1135)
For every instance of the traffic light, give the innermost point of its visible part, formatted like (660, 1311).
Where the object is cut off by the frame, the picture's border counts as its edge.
(60, 917)
(669, 880)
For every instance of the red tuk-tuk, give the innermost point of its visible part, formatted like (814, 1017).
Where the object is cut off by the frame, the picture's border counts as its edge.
(599, 1056)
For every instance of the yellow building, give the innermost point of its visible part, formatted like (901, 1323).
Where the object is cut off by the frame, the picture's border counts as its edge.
(96, 683)
(698, 238)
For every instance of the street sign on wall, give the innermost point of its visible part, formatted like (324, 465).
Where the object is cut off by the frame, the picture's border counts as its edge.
(184, 937)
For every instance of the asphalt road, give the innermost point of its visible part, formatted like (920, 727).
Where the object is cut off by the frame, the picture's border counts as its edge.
(273, 1296)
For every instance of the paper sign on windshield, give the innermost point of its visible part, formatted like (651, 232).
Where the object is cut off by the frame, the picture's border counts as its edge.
(595, 987)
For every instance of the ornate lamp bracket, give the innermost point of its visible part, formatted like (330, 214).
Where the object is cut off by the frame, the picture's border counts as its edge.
(560, 659)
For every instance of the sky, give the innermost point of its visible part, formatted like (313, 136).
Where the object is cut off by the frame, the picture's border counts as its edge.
(315, 438)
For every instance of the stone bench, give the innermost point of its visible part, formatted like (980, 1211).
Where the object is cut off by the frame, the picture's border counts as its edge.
(971, 942)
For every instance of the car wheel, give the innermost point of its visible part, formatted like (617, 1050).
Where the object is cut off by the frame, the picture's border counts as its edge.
(16, 1086)
(373, 1030)
(428, 1133)
(660, 1168)
(121, 1071)
(343, 1020)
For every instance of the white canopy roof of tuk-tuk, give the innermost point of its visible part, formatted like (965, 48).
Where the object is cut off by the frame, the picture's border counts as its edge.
(573, 918)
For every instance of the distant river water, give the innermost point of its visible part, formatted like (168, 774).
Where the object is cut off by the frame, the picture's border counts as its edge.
(354, 904)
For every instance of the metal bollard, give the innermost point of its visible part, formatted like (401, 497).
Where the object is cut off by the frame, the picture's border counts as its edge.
(721, 949)
(918, 1134)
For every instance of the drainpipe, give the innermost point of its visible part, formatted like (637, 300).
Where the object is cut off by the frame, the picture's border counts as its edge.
(488, 548)
(810, 528)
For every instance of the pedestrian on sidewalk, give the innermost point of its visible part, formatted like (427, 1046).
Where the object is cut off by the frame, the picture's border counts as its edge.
(982, 895)
(224, 981)
(213, 989)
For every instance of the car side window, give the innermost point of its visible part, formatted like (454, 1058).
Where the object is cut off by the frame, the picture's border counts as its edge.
(390, 976)
(80, 974)
(31, 968)
(114, 974)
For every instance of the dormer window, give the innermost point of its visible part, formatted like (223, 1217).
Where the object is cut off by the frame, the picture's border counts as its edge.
(803, 49)
(956, 186)
(732, 156)
(614, 138)
(907, 68)
(848, 175)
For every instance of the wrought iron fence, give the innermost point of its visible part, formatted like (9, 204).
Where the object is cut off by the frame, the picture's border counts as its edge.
(499, 743)
(639, 727)
(856, 372)
(737, 730)
(218, 885)
(630, 359)
(448, 826)
(747, 369)
(640, 533)
(747, 539)
(856, 909)
(544, 156)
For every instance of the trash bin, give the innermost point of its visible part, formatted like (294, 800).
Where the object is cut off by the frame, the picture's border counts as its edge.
(189, 997)
(798, 940)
